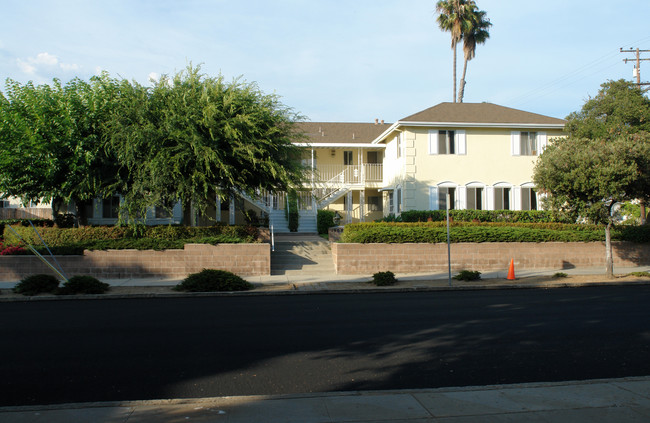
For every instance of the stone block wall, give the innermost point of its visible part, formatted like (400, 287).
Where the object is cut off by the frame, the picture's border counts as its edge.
(366, 259)
(241, 259)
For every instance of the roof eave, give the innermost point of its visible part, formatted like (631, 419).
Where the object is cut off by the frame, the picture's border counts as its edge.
(482, 125)
(338, 144)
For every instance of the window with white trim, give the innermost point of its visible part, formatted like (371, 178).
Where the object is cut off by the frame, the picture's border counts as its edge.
(374, 203)
(398, 140)
(501, 198)
(442, 197)
(446, 142)
(528, 199)
(111, 207)
(474, 198)
(528, 143)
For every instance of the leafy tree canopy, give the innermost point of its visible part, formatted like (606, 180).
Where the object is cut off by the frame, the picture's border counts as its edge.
(192, 137)
(605, 159)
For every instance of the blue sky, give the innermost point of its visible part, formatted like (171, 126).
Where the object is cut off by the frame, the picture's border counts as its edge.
(332, 60)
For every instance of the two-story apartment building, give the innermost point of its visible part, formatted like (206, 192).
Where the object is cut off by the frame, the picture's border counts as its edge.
(479, 155)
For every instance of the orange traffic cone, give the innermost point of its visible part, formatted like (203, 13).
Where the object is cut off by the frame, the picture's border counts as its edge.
(511, 270)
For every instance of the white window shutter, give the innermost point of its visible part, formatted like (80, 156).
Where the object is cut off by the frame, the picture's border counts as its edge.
(462, 198)
(461, 143)
(433, 198)
(515, 137)
(433, 142)
(541, 142)
(489, 197)
(516, 198)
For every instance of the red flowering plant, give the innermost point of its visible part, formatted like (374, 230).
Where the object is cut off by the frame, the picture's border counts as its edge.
(11, 250)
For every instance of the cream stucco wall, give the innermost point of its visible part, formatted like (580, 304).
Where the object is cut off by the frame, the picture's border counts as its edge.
(488, 161)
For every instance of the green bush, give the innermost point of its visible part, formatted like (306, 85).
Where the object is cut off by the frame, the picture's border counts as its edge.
(560, 275)
(467, 275)
(513, 216)
(83, 285)
(325, 220)
(37, 284)
(384, 279)
(210, 280)
(64, 220)
(436, 232)
(75, 240)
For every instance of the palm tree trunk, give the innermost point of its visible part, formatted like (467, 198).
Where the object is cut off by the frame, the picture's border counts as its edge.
(454, 97)
(461, 91)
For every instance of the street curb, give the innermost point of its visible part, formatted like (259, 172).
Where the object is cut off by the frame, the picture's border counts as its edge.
(226, 400)
(324, 291)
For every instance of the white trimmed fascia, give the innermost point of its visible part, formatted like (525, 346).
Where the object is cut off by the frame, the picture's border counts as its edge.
(337, 144)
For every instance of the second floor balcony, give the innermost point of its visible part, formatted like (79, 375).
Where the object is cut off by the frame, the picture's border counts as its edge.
(367, 174)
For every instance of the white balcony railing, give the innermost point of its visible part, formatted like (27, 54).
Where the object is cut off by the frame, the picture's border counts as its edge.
(348, 174)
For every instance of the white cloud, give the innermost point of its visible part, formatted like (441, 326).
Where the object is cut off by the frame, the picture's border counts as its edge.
(26, 67)
(44, 60)
(153, 76)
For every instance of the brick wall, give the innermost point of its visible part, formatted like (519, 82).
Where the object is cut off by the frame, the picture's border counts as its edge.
(241, 259)
(353, 259)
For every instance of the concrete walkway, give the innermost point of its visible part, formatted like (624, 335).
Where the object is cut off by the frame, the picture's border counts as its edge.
(615, 400)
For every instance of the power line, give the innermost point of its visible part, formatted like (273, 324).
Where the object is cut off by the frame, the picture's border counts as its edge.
(637, 66)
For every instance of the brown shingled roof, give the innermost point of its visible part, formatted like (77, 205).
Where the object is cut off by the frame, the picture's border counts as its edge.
(341, 132)
(479, 113)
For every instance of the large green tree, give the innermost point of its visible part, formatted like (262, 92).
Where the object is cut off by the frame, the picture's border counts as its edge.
(51, 141)
(602, 162)
(192, 137)
(475, 32)
(620, 108)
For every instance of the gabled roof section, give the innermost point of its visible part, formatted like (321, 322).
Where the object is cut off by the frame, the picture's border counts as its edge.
(479, 113)
(344, 133)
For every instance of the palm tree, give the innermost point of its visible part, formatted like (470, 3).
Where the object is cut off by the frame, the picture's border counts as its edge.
(474, 33)
(452, 17)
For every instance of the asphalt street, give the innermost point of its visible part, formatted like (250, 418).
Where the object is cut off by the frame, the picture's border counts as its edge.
(131, 349)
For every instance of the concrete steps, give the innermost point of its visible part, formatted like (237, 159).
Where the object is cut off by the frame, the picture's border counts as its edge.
(301, 254)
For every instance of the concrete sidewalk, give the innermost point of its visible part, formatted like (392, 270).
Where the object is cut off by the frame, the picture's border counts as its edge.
(615, 400)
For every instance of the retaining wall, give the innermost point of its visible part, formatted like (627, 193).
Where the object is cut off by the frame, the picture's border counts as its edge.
(366, 259)
(241, 259)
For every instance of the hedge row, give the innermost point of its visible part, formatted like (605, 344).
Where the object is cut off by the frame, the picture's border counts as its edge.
(434, 232)
(511, 216)
(75, 240)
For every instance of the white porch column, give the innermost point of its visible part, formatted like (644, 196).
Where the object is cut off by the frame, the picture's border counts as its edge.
(348, 208)
(217, 205)
(362, 205)
(231, 210)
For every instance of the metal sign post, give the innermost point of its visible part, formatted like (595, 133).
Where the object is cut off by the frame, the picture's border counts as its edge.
(448, 240)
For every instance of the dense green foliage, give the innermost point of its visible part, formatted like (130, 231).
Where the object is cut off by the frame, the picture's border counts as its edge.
(384, 279)
(604, 160)
(514, 216)
(435, 232)
(293, 215)
(75, 240)
(325, 220)
(189, 138)
(83, 285)
(468, 275)
(37, 284)
(210, 280)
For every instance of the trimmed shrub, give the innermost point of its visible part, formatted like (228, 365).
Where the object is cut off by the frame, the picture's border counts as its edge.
(560, 275)
(467, 275)
(83, 285)
(64, 220)
(514, 216)
(325, 220)
(210, 280)
(384, 279)
(436, 232)
(37, 284)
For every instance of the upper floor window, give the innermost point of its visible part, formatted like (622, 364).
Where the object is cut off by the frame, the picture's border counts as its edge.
(528, 143)
(447, 142)
(347, 158)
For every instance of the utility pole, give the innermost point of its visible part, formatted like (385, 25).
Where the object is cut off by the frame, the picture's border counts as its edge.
(637, 67)
(637, 73)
